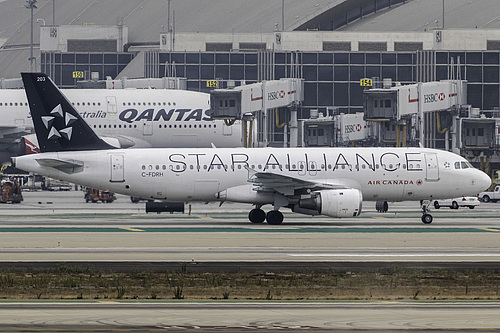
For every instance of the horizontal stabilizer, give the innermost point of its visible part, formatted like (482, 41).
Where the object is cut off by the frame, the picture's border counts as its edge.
(66, 166)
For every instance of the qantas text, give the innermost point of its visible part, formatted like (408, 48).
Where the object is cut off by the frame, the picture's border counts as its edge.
(131, 115)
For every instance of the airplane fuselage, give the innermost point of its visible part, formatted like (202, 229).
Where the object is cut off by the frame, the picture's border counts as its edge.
(392, 174)
(146, 118)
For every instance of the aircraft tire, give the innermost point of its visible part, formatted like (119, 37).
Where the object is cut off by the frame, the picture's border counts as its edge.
(274, 217)
(256, 216)
(427, 218)
(454, 205)
(382, 206)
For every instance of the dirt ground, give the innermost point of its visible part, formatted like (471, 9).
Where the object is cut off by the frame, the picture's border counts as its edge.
(396, 284)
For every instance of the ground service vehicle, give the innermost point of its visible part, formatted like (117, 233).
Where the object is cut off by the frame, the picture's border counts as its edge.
(94, 195)
(491, 196)
(10, 192)
(454, 203)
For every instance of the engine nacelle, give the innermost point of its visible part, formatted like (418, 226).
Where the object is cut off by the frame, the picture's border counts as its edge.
(334, 203)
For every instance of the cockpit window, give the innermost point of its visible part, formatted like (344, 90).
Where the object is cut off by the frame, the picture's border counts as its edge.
(463, 165)
(466, 165)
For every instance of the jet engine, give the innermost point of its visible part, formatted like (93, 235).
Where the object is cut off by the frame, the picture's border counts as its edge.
(334, 203)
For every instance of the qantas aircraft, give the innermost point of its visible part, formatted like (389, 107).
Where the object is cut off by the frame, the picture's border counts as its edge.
(139, 118)
(313, 181)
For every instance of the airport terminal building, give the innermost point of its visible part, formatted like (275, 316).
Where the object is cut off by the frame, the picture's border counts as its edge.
(332, 45)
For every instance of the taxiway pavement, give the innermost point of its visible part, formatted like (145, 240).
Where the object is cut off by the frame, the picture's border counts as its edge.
(60, 226)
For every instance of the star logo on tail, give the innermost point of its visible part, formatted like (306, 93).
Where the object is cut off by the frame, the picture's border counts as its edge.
(69, 119)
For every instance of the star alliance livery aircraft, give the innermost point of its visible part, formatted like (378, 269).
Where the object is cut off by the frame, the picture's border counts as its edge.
(313, 181)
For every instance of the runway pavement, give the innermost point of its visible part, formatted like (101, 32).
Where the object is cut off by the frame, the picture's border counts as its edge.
(234, 316)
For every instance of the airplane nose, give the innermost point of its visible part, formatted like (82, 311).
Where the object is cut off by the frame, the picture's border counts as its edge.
(483, 182)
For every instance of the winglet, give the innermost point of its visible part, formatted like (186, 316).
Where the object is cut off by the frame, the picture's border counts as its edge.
(58, 126)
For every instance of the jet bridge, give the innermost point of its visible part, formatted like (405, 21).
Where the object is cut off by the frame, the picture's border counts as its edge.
(254, 101)
(402, 105)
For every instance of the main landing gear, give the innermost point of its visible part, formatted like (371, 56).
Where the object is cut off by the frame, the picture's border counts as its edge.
(382, 206)
(426, 217)
(273, 217)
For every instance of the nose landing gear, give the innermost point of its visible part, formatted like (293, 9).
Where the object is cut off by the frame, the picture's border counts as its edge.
(426, 217)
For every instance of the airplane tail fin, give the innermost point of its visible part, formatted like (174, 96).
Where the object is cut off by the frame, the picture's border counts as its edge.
(58, 126)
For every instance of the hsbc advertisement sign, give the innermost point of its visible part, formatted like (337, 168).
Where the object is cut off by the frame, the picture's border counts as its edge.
(435, 96)
(438, 96)
(351, 127)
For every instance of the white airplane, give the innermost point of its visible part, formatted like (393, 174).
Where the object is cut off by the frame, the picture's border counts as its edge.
(139, 118)
(327, 181)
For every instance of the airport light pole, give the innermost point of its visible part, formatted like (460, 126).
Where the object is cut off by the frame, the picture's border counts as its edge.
(442, 23)
(282, 15)
(31, 4)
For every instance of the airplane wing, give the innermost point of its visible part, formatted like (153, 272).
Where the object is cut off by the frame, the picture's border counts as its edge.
(66, 166)
(269, 182)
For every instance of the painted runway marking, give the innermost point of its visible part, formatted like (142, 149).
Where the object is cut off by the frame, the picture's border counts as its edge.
(489, 229)
(132, 229)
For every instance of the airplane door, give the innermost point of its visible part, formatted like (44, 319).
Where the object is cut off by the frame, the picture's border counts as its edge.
(313, 171)
(147, 128)
(432, 167)
(111, 104)
(302, 168)
(117, 170)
